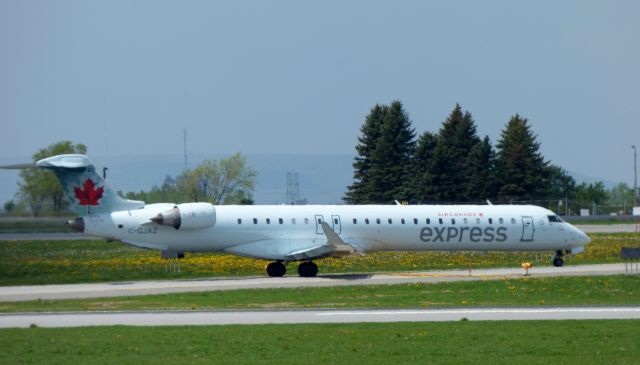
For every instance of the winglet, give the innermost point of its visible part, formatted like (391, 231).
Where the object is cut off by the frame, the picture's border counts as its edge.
(340, 248)
(332, 237)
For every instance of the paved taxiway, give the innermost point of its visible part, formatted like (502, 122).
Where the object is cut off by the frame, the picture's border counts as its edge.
(97, 290)
(609, 228)
(313, 316)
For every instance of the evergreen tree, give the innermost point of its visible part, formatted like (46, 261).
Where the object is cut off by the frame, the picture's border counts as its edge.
(422, 164)
(559, 183)
(449, 173)
(481, 172)
(359, 192)
(520, 167)
(392, 158)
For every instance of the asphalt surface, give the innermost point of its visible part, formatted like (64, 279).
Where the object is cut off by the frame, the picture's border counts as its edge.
(57, 236)
(609, 228)
(115, 289)
(314, 316)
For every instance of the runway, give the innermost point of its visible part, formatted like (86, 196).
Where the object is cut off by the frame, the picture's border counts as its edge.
(314, 316)
(97, 290)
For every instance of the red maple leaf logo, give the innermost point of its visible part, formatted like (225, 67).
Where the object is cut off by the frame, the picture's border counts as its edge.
(88, 195)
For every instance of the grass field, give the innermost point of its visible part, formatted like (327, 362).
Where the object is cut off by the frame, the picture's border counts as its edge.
(598, 290)
(49, 262)
(465, 342)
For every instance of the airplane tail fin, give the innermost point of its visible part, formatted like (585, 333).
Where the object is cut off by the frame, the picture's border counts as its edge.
(85, 189)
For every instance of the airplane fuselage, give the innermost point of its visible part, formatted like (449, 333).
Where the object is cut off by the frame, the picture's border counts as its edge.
(272, 231)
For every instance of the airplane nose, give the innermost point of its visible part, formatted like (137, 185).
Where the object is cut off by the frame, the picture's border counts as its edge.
(583, 239)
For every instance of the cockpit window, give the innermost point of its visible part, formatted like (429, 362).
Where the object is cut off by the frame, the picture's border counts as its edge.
(555, 219)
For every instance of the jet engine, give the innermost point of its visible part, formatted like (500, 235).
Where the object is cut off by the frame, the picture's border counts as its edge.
(188, 216)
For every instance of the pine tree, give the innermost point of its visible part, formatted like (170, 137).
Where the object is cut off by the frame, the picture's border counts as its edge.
(359, 192)
(520, 167)
(425, 148)
(449, 173)
(481, 182)
(392, 158)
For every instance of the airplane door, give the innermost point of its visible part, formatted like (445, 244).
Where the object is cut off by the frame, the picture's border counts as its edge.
(336, 224)
(527, 229)
(319, 220)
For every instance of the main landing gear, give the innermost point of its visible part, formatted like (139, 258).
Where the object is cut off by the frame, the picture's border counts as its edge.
(276, 269)
(557, 259)
(307, 269)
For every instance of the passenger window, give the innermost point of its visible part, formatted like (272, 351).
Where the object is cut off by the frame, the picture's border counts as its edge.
(319, 220)
(513, 221)
(239, 221)
(402, 220)
(280, 220)
(390, 221)
(453, 221)
(501, 221)
(355, 221)
(415, 220)
(255, 220)
(428, 221)
(466, 221)
(293, 221)
(335, 220)
(268, 221)
(366, 220)
(378, 220)
(306, 221)
(440, 220)
(490, 221)
(477, 220)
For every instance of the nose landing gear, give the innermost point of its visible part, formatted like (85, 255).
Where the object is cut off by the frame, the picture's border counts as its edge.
(557, 259)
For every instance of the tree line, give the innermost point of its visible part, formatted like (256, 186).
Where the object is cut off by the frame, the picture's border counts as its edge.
(456, 165)
(225, 181)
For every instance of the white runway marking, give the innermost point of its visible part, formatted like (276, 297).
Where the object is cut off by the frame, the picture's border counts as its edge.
(313, 316)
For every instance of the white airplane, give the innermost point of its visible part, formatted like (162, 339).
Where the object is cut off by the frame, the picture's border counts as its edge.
(287, 233)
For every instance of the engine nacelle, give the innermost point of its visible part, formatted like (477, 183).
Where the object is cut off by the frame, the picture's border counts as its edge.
(188, 216)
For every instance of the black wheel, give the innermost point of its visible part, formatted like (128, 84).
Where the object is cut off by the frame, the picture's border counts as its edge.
(276, 269)
(308, 269)
(558, 262)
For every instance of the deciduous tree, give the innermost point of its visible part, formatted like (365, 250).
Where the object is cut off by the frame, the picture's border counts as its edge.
(41, 189)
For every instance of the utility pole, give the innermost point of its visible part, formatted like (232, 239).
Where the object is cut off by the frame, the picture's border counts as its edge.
(635, 177)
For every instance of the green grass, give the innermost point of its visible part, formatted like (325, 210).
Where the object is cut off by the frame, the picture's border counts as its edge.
(465, 342)
(598, 290)
(49, 262)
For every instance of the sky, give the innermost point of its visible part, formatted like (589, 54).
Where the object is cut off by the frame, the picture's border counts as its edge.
(298, 77)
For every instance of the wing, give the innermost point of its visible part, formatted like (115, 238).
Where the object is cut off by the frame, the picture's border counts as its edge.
(297, 249)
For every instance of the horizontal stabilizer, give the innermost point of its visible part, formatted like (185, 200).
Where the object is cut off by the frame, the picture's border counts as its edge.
(19, 166)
